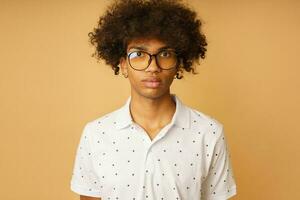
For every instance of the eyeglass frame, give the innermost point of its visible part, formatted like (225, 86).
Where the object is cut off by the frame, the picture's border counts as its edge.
(155, 56)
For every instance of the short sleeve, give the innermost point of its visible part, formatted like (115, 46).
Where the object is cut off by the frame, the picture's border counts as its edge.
(84, 180)
(219, 183)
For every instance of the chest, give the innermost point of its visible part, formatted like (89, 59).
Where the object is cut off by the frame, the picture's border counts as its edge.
(130, 163)
(152, 133)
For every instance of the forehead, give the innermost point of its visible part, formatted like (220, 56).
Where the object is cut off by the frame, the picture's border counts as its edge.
(146, 43)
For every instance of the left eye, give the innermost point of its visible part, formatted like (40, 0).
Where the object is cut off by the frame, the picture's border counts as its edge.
(165, 54)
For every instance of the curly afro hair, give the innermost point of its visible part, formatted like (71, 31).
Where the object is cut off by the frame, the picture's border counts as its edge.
(167, 20)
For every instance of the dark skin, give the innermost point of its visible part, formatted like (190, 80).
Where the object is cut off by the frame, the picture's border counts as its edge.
(151, 108)
(89, 198)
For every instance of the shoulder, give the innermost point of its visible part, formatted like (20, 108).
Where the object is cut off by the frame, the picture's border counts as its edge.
(210, 125)
(103, 122)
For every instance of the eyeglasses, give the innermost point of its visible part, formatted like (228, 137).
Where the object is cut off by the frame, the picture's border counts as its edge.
(165, 59)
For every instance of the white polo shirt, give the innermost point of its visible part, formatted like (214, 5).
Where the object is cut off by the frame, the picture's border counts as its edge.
(188, 159)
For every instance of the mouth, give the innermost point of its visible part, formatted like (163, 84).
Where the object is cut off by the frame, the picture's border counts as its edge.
(152, 82)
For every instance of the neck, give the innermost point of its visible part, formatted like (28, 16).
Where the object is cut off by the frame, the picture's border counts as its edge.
(152, 113)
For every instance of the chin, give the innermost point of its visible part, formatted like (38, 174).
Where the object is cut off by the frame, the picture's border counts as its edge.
(152, 94)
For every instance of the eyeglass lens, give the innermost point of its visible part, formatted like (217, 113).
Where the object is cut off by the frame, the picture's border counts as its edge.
(140, 60)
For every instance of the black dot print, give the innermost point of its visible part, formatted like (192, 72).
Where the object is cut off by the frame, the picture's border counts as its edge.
(178, 156)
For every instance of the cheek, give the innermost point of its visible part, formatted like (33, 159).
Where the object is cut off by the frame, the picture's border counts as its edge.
(170, 80)
(171, 77)
(134, 77)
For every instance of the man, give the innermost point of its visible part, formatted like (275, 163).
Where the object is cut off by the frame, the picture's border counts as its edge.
(154, 147)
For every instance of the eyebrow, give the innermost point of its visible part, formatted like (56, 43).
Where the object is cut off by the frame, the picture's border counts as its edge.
(142, 47)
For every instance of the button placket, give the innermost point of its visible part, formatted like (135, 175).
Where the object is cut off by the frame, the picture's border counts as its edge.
(149, 161)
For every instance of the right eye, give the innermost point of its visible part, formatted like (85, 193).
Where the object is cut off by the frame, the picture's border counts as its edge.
(136, 54)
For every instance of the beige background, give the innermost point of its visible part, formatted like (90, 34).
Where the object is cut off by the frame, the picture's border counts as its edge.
(51, 86)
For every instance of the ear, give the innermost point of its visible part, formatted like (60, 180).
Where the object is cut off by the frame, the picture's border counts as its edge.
(123, 65)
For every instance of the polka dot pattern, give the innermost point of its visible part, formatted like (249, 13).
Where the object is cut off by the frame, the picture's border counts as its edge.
(187, 160)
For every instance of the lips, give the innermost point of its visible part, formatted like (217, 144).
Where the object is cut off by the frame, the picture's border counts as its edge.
(152, 82)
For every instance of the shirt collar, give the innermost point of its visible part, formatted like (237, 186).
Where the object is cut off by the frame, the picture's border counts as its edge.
(180, 118)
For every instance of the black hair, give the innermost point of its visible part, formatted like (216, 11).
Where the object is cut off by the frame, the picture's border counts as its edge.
(170, 21)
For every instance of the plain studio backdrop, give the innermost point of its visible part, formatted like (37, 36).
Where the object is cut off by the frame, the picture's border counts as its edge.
(51, 86)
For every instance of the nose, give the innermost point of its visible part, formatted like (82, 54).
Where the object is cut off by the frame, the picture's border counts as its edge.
(153, 66)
